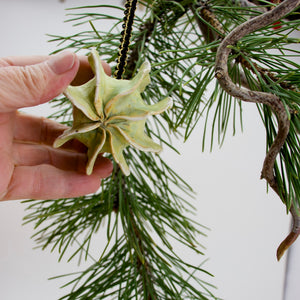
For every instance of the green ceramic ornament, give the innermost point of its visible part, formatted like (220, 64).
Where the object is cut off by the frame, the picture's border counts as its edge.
(110, 114)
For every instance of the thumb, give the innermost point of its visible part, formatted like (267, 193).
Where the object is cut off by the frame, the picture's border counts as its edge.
(30, 85)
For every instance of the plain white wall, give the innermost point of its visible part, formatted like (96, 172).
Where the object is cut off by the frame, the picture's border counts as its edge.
(246, 223)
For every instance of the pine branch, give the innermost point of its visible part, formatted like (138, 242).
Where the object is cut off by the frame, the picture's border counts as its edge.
(146, 211)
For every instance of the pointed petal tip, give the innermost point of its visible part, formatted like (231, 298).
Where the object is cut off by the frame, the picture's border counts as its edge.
(146, 66)
(162, 106)
(89, 170)
(125, 170)
(170, 102)
(57, 143)
(157, 149)
(119, 159)
(94, 53)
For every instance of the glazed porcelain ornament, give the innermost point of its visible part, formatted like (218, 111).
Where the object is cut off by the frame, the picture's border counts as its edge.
(110, 114)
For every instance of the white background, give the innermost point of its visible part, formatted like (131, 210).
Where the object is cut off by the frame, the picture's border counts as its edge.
(246, 224)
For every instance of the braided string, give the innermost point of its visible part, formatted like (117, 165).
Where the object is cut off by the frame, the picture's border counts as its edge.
(130, 7)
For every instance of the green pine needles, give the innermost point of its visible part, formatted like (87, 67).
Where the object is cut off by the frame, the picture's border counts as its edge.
(147, 212)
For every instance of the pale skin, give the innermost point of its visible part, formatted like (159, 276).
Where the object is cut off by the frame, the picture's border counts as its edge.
(30, 167)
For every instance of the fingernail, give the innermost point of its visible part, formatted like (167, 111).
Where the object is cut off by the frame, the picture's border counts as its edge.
(61, 62)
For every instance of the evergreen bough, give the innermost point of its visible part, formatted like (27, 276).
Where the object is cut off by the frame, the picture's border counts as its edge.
(210, 57)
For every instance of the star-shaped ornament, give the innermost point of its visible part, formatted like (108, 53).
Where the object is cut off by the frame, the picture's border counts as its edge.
(110, 114)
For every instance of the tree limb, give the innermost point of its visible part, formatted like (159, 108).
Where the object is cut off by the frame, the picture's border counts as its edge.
(274, 102)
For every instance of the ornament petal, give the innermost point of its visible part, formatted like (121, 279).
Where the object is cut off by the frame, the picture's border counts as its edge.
(63, 138)
(161, 106)
(82, 97)
(94, 149)
(100, 76)
(106, 86)
(142, 78)
(74, 133)
(118, 144)
(127, 100)
(135, 136)
(142, 111)
(81, 124)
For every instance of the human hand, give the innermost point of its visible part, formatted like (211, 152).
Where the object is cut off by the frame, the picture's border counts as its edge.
(30, 167)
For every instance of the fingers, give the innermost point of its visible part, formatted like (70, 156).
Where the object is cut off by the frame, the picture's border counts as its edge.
(32, 155)
(29, 85)
(48, 182)
(40, 130)
(44, 173)
(36, 129)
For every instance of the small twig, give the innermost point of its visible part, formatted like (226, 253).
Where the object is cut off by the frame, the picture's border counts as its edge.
(221, 73)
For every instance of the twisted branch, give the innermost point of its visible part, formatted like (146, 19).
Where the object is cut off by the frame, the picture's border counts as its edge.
(221, 73)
